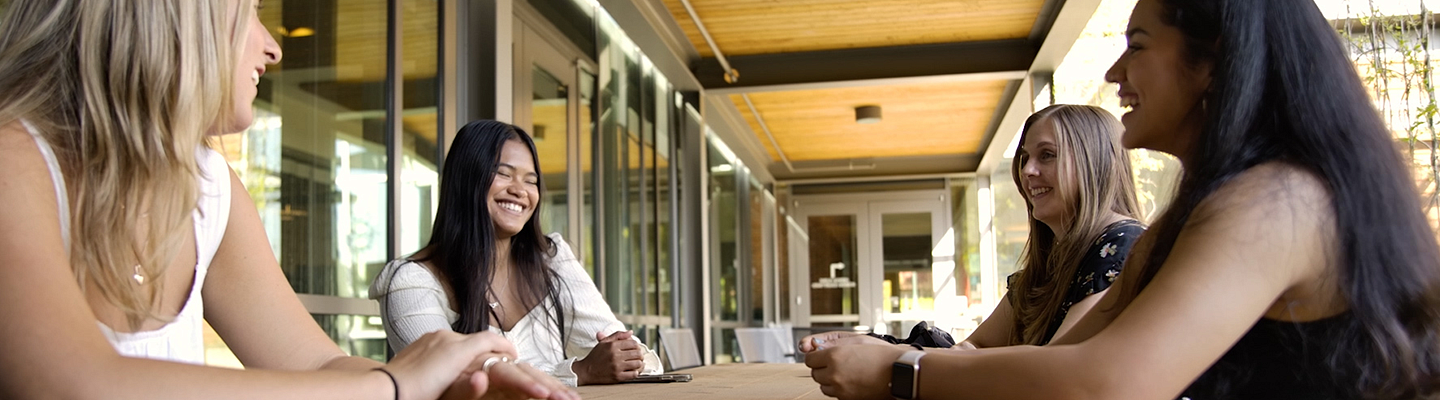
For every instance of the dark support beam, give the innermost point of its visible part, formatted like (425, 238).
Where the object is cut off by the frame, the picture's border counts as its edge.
(759, 72)
(1046, 20)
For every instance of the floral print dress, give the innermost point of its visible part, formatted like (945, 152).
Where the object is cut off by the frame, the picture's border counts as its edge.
(1098, 270)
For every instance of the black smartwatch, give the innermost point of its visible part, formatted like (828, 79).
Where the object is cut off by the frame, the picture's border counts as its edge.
(905, 375)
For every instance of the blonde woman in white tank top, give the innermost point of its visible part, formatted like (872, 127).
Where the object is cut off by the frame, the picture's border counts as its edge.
(122, 233)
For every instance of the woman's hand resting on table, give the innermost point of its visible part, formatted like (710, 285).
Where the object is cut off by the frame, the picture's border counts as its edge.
(833, 339)
(425, 368)
(617, 358)
(509, 381)
(854, 372)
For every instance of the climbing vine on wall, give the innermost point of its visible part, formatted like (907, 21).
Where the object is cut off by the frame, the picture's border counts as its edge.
(1392, 51)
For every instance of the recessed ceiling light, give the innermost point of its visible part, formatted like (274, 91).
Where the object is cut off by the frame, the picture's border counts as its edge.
(867, 114)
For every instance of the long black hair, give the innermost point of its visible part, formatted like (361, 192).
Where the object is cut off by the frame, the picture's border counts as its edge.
(462, 243)
(1284, 89)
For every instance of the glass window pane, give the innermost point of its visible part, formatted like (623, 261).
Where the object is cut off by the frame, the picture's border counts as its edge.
(551, 126)
(782, 257)
(419, 168)
(907, 291)
(315, 161)
(834, 242)
(646, 190)
(618, 153)
(724, 210)
(587, 176)
(634, 232)
(664, 119)
(727, 349)
(756, 248)
(1012, 224)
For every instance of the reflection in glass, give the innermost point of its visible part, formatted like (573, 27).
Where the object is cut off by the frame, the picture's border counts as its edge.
(756, 248)
(724, 210)
(420, 151)
(633, 163)
(906, 252)
(833, 266)
(727, 348)
(588, 131)
(1012, 224)
(966, 223)
(659, 173)
(551, 127)
(314, 161)
(613, 158)
(782, 258)
(635, 213)
(643, 220)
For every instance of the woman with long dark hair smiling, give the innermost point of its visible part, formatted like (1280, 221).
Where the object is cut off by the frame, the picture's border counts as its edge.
(489, 268)
(1294, 263)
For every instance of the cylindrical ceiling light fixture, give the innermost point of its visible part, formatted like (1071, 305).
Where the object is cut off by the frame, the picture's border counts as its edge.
(867, 114)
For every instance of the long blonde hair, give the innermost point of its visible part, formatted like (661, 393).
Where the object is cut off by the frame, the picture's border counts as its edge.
(1091, 155)
(125, 91)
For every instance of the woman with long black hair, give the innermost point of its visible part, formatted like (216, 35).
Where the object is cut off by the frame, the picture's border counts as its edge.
(1294, 263)
(488, 268)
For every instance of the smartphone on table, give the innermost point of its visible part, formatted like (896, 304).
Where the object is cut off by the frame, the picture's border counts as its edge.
(660, 378)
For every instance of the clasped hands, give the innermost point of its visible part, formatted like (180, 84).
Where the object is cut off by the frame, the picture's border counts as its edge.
(850, 365)
(617, 358)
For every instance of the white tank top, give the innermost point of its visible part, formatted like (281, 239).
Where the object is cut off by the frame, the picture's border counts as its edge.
(182, 339)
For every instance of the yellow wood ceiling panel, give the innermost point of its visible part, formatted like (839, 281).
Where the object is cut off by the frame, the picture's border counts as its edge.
(918, 120)
(551, 145)
(359, 37)
(742, 27)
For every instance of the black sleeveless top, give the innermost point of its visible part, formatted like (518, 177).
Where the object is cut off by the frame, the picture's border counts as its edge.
(1278, 360)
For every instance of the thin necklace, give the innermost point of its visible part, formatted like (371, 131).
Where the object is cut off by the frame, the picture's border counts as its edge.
(496, 304)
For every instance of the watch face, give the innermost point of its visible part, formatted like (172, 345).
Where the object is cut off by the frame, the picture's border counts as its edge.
(902, 380)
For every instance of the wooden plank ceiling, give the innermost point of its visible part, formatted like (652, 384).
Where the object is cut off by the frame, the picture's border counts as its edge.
(742, 27)
(918, 120)
(929, 119)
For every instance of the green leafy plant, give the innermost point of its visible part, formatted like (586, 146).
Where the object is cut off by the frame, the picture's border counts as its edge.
(1392, 53)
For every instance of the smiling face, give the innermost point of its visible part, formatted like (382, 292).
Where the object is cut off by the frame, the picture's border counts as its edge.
(1159, 84)
(260, 50)
(1041, 177)
(515, 191)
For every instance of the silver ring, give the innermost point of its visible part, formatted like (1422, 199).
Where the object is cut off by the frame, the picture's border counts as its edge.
(492, 361)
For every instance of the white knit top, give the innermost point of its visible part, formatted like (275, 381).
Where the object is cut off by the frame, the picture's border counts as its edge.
(181, 340)
(413, 303)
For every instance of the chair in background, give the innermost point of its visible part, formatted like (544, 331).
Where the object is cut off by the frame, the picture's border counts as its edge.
(680, 349)
(764, 345)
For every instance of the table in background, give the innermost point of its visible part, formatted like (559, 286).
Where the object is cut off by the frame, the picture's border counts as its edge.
(721, 381)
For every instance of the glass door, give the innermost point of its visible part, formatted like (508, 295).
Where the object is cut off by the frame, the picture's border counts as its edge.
(547, 108)
(831, 267)
(908, 243)
(876, 262)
